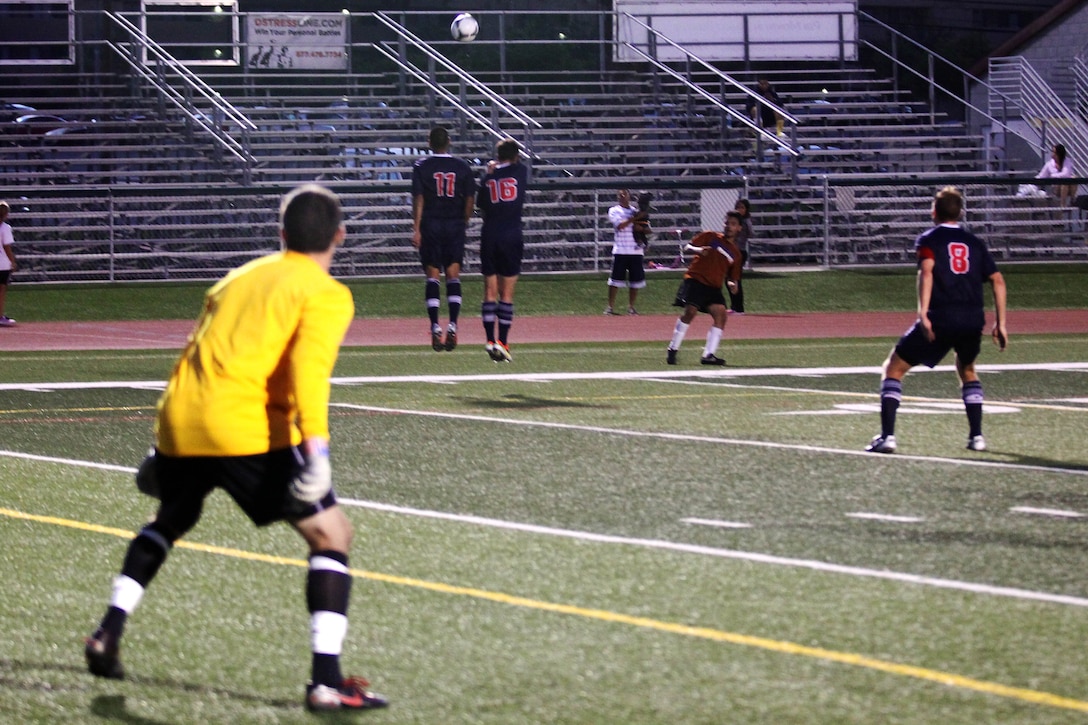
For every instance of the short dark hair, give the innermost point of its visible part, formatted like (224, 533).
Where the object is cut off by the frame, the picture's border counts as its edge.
(507, 150)
(733, 215)
(310, 216)
(439, 140)
(948, 204)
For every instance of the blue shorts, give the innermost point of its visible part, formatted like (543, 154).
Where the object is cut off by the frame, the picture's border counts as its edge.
(915, 349)
(442, 242)
(501, 256)
(627, 271)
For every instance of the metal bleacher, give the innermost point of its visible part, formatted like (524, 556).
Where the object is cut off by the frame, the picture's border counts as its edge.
(125, 186)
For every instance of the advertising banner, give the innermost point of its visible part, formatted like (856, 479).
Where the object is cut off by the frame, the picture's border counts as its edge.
(297, 41)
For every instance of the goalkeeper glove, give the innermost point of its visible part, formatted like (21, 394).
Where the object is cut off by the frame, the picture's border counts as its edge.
(314, 480)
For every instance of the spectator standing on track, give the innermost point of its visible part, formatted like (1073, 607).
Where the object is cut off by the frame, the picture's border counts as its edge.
(443, 194)
(736, 296)
(627, 256)
(1060, 167)
(7, 261)
(500, 199)
(717, 262)
(953, 266)
(246, 410)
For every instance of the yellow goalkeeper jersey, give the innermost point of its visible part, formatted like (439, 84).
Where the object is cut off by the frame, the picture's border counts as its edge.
(254, 376)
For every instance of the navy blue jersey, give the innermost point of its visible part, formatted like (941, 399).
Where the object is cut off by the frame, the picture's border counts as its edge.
(961, 265)
(500, 200)
(445, 183)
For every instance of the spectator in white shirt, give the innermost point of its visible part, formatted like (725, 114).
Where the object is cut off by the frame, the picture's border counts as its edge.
(1060, 167)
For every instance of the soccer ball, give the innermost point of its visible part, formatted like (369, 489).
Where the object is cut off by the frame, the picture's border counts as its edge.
(464, 28)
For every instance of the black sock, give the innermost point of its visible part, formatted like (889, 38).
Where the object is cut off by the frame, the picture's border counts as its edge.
(487, 315)
(453, 299)
(891, 393)
(506, 319)
(972, 403)
(430, 294)
(328, 589)
(146, 554)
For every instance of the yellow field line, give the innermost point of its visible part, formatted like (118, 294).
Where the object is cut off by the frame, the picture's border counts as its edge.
(847, 658)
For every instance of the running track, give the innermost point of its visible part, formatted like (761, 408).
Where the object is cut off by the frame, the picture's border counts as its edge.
(169, 334)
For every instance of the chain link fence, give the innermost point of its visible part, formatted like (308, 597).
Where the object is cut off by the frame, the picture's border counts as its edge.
(129, 234)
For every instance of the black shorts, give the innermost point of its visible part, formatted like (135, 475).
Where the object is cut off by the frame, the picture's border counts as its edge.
(698, 295)
(501, 256)
(442, 242)
(627, 271)
(259, 484)
(915, 349)
(5, 276)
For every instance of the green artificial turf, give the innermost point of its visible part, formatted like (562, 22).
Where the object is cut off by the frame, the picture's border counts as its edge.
(1041, 286)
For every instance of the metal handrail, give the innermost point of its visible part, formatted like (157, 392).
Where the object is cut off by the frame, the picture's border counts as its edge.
(789, 149)
(1080, 78)
(1041, 107)
(720, 74)
(462, 75)
(192, 83)
(450, 97)
(931, 56)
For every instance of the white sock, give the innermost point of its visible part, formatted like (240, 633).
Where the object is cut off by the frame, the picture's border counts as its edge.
(127, 594)
(678, 333)
(328, 630)
(713, 337)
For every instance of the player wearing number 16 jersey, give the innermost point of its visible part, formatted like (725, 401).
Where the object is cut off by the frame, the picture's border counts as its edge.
(443, 193)
(500, 200)
(953, 266)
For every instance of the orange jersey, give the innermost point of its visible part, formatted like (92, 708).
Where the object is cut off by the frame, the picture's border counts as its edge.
(721, 263)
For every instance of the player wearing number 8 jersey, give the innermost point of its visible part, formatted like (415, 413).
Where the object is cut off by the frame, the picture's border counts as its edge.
(953, 266)
(443, 193)
(500, 200)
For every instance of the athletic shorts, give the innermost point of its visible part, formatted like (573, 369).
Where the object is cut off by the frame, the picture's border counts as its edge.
(5, 275)
(501, 256)
(442, 242)
(259, 484)
(915, 349)
(698, 295)
(627, 271)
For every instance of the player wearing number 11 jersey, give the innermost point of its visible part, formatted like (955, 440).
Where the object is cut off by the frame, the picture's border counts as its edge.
(953, 266)
(443, 193)
(500, 200)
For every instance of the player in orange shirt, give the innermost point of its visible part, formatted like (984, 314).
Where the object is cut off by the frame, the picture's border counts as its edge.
(717, 262)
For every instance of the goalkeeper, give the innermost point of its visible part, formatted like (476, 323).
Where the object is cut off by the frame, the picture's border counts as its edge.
(246, 410)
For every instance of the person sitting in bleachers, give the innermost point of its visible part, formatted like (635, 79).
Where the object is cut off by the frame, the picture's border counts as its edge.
(1060, 167)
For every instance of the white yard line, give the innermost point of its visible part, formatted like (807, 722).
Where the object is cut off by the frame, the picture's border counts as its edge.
(1060, 513)
(820, 566)
(686, 437)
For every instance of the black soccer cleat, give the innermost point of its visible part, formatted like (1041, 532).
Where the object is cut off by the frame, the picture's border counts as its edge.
(351, 695)
(103, 657)
(712, 359)
(670, 356)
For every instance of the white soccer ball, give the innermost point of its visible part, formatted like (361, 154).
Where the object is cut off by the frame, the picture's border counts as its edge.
(464, 28)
